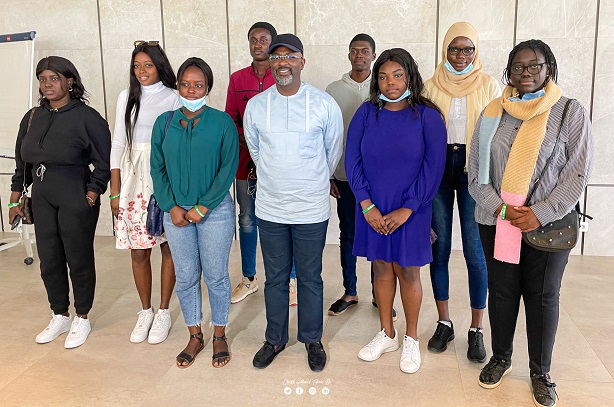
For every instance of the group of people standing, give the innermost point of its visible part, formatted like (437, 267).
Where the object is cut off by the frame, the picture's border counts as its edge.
(393, 150)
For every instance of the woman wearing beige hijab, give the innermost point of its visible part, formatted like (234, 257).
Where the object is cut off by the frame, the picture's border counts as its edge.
(461, 90)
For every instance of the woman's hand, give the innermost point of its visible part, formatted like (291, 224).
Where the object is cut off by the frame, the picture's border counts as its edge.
(397, 218)
(91, 197)
(523, 218)
(178, 216)
(193, 216)
(374, 218)
(115, 206)
(15, 210)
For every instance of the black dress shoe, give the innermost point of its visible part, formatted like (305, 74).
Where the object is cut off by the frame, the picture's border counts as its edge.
(316, 356)
(266, 354)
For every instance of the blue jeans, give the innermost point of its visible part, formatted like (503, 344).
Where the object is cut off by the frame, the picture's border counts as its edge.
(248, 227)
(203, 248)
(280, 244)
(455, 180)
(346, 211)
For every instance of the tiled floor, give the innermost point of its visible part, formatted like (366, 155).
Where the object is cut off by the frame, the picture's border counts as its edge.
(110, 371)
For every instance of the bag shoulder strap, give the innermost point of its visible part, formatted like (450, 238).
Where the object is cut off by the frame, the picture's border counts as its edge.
(168, 121)
(558, 136)
(25, 165)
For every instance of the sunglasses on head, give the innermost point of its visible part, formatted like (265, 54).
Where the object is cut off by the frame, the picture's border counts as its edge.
(150, 43)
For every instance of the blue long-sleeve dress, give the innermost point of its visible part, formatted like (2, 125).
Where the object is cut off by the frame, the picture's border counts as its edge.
(396, 159)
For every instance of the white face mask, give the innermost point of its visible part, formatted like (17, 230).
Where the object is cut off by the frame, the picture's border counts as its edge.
(193, 105)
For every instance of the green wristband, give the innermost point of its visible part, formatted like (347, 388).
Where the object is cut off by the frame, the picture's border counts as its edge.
(202, 215)
(112, 197)
(368, 208)
(503, 210)
(12, 205)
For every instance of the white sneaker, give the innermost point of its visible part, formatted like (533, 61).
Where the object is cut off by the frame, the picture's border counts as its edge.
(293, 294)
(379, 345)
(79, 331)
(57, 326)
(410, 358)
(141, 329)
(160, 328)
(243, 289)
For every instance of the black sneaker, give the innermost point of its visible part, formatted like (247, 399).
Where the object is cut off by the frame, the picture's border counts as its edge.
(544, 392)
(493, 372)
(394, 311)
(476, 351)
(439, 341)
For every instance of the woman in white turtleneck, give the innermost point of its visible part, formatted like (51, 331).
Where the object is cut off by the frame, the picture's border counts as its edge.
(151, 93)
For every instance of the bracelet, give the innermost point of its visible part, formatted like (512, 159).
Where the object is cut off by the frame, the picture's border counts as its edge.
(202, 215)
(13, 204)
(503, 209)
(368, 208)
(112, 197)
(89, 199)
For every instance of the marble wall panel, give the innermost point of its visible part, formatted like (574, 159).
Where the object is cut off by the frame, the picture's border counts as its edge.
(568, 27)
(603, 114)
(598, 240)
(325, 27)
(124, 21)
(199, 28)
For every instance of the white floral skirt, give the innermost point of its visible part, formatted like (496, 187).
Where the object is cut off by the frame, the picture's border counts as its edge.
(136, 188)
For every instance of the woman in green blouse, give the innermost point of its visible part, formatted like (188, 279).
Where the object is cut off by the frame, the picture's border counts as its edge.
(194, 156)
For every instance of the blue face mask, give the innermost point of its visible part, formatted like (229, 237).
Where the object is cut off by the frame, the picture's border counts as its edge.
(193, 105)
(450, 68)
(403, 96)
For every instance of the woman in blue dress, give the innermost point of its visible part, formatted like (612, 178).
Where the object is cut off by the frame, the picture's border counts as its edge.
(395, 157)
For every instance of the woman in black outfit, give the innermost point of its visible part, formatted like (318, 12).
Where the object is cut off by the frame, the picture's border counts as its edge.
(56, 143)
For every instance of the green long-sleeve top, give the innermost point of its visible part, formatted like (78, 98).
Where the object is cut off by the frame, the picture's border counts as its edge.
(193, 166)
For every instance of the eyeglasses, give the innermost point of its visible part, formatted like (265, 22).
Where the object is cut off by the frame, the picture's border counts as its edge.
(289, 58)
(466, 51)
(533, 69)
(150, 43)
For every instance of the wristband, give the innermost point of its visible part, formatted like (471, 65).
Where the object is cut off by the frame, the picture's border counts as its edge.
(368, 208)
(112, 197)
(202, 215)
(503, 209)
(13, 204)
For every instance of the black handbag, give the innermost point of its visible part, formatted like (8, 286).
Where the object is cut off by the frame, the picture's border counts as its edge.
(559, 235)
(155, 218)
(154, 224)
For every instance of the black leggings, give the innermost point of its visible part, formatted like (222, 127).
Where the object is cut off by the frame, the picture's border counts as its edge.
(65, 225)
(537, 279)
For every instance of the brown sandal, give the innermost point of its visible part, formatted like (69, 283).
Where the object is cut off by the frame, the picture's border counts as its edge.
(185, 357)
(218, 357)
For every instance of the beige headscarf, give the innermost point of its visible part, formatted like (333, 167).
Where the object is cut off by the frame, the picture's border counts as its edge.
(457, 86)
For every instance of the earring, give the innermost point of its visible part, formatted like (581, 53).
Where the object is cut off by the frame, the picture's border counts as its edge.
(70, 89)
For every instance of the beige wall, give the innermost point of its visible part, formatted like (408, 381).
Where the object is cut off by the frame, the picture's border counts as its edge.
(98, 35)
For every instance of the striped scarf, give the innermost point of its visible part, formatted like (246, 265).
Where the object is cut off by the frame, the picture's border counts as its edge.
(521, 161)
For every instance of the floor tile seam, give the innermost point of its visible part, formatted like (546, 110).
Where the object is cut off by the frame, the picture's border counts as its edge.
(591, 347)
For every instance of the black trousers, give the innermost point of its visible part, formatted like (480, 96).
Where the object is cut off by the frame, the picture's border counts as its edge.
(65, 225)
(537, 279)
